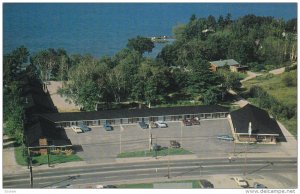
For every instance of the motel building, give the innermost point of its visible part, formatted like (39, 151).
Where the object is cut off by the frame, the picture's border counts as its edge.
(131, 116)
(254, 125)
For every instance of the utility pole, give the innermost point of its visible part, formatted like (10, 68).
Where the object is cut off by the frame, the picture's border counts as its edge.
(181, 133)
(169, 175)
(30, 169)
(48, 153)
(249, 134)
(121, 129)
(150, 135)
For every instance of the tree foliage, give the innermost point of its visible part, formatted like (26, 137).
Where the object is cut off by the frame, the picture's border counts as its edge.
(140, 44)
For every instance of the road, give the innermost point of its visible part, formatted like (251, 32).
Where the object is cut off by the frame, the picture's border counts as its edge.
(158, 170)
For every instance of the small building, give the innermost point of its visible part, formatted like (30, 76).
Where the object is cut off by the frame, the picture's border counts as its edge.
(129, 116)
(234, 66)
(264, 129)
(44, 134)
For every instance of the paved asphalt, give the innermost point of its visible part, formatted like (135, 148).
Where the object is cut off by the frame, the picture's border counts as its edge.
(117, 173)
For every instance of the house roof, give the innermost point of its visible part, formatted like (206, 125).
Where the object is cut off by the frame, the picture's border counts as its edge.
(221, 63)
(45, 129)
(131, 113)
(259, 118)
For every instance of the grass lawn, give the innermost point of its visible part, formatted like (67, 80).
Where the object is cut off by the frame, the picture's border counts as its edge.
(43, 159)
(196, 184)
(147, 153)
(274, 86)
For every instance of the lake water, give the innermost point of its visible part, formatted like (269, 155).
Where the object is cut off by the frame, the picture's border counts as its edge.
(104, 28)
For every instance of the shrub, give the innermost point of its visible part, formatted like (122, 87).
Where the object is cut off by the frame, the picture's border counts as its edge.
(289, 79)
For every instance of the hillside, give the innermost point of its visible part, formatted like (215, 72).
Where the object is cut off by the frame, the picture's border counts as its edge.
(281, 92)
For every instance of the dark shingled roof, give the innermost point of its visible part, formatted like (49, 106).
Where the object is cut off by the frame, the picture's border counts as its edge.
(260, 121)
(131, 113)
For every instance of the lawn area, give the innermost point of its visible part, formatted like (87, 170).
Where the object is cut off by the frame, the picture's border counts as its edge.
(147, 153)
(196, 184)
(43, 159)
(274, 86)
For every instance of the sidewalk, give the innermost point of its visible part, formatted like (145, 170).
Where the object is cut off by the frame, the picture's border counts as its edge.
(9, 164)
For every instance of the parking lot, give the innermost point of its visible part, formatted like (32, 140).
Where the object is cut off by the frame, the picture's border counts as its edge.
(101, 145)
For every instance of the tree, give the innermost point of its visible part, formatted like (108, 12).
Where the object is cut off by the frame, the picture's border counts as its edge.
(201, 78)
(12, 63)
(51, 64)
(13, 111)
(87, 85)
(210, 97)
(140, 44)
(211, 22)
(291, 25)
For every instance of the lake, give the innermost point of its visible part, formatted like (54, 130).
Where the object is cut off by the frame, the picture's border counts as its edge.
(104, 28)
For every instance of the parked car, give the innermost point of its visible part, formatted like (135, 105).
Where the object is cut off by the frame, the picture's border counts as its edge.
(143, 125)
(76, 129)
(161, 124)
(259, 186)
(107, 127)
(156, 147)
(99, 186)
(105, 186)
(195, 121)
(174, 144)
(109, 186)
(153, 125)
(84, 128)
(225, 137)
(241, 182)
(206, 184)
(187, 122)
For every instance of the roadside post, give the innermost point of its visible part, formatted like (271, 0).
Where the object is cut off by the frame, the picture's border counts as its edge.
(48, 153)
(121, 130)
(30, 169)
(181, 133)
(150, 135)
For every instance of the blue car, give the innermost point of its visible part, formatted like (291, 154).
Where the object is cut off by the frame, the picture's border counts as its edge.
(143, 125)
(225, 137)
(84, 128)
(107, 127)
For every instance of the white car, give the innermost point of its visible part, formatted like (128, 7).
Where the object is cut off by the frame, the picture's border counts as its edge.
(241, 182)
(76, 129)
(161, 124)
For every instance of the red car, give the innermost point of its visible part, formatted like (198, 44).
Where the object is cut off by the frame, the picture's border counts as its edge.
(195, 121)
(187, 122)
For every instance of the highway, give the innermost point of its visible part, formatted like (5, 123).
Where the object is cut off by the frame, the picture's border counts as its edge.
(117, 173)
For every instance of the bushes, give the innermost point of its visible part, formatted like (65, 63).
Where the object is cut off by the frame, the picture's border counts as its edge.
(290, 79)
(264, 100)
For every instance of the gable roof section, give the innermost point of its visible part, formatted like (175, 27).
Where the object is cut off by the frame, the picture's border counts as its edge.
(221, 63)
(131, 113)
(259, 118)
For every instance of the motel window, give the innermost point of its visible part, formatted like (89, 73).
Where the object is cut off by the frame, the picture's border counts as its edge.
(167, 118)
(117, 121)
(146, 119)
(208, 115)
(124, 121)
(102, 121)
(161, 118)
